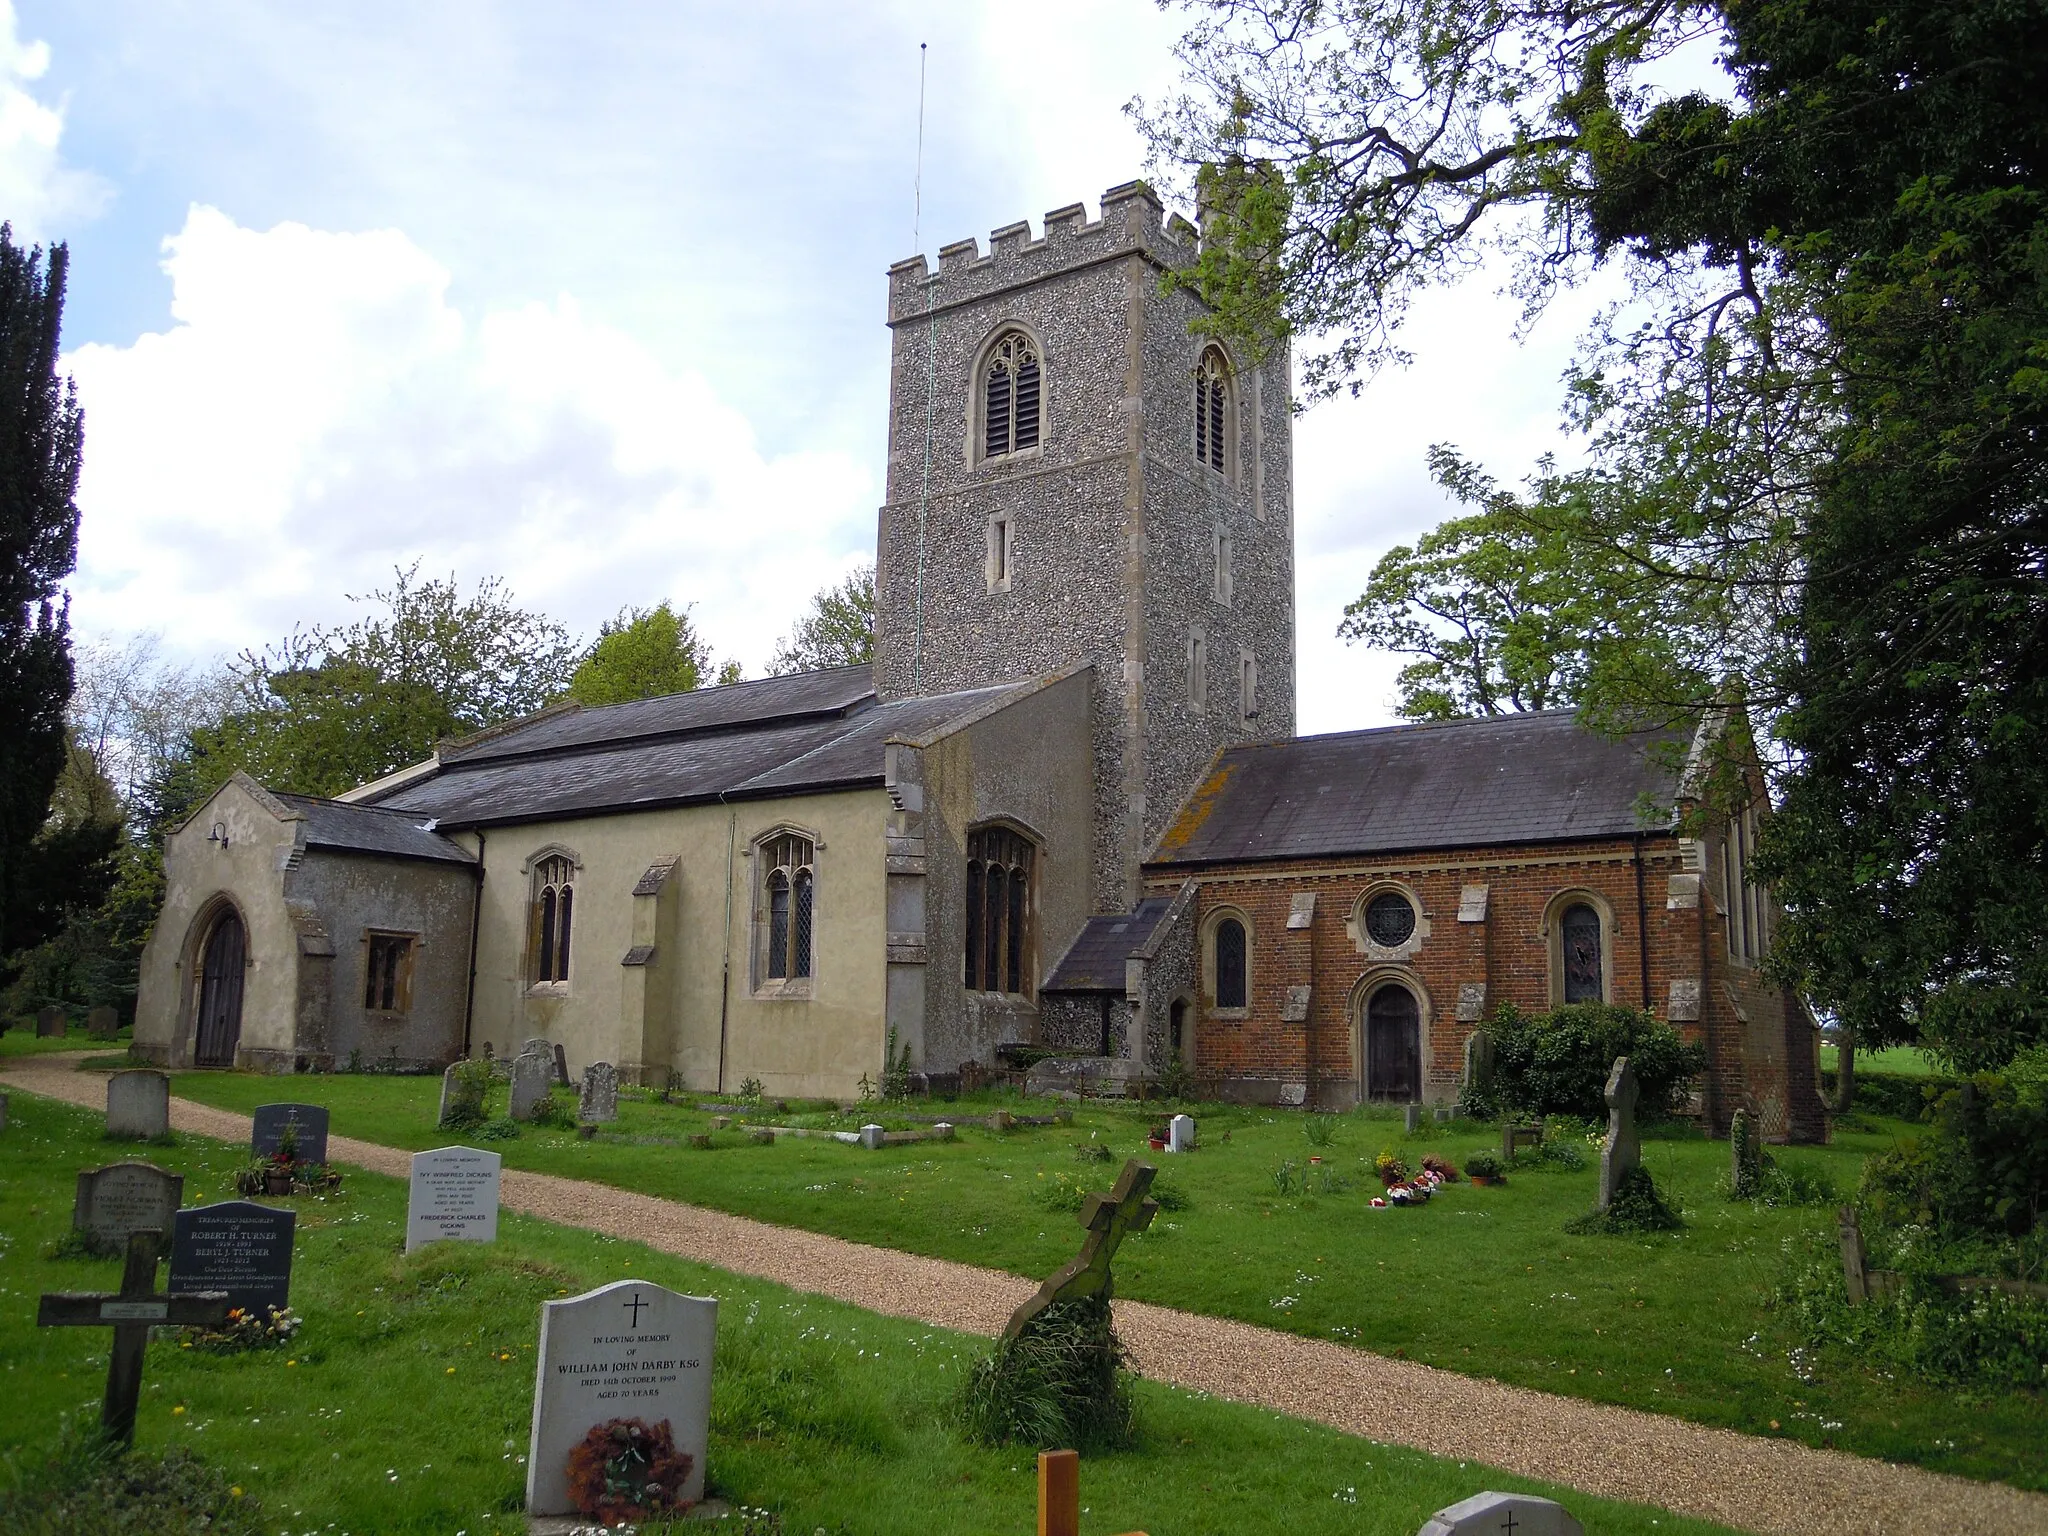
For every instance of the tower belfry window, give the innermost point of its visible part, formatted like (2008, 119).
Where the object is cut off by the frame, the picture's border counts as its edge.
(1212, 409)
(1011, 389)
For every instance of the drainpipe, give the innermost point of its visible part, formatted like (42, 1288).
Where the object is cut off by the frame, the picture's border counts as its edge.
(1642, 922)
(476, 912)
(725, 967)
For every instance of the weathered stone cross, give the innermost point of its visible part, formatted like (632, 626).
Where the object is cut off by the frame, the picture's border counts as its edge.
(1109, 1219)
(131, 1313)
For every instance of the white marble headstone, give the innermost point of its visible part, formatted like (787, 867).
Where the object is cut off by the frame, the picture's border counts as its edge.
(454, 1197)
(139, 1104)
(1503, 1514)
(1180, 1134)
(628, 1350)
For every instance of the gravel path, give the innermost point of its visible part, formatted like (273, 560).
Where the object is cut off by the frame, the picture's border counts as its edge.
(1776, 1486)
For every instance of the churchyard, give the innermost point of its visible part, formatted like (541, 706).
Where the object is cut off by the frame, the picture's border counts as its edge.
(1483, 1281)
(401, 1402)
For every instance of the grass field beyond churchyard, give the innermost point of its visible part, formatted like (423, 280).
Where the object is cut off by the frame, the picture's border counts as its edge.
(1483, 1281)
(403, 1404)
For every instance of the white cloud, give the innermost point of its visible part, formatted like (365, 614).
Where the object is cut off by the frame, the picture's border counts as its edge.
(320, 410)
(38, 191)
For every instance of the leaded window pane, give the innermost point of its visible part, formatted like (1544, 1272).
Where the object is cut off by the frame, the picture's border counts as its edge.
(974, 925)
(562, 933)
(1580, 937)
(1230, 979)
(546, 971)
(992, 931)
(1014, 980)
(800, 927)
(778, 925)
(1389, 920)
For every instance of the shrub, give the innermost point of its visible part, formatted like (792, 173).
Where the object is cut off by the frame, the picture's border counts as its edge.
(1484, 1165)
(1982, 1171)
(1552, 1152)
(86, 1484)
(1321, 1130)
(1557, 1063)
(1177, 1081)
(504, 1128)
(1895, 1095)
(1637, 1207)
(556, 1110)
(469, 1106)
(1058, 1385)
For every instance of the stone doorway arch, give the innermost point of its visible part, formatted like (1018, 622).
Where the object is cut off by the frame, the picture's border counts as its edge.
(217, 1025)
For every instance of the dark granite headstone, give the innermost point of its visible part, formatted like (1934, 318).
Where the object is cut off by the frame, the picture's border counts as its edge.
(49, 1023)
(561, 1066)
(102, 1023)
(238, 1247)
(268, 1130)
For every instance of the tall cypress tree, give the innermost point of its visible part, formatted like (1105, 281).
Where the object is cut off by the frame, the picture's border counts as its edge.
(41, 435)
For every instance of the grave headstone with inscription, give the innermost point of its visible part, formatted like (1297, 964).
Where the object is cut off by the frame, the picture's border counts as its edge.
(454, 1197)
(1623, 1151)
(628, 1350)
(139, 1105)
(238, 1247)
(1503, 1514)
(102, 1023)
(533, 1075)
(266, 1133)
(561, 1066)
(49, 1023)
(124, 1198)
(600, 1101)
(1180, 1134)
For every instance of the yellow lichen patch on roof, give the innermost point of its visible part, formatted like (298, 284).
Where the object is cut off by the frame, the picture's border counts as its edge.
(1197, 810)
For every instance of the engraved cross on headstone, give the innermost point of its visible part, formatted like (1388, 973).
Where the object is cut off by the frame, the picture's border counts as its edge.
(131, 1312)
(1109, 1219)
(636, 1306)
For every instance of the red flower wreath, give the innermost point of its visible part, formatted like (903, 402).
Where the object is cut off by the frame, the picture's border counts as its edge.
(625, 1470)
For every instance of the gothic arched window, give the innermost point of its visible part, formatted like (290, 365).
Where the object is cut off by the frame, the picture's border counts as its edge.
(1229, 962)
(1212, 409)
(789, 886)
(1000, 863)
(553, 914)
(1010, 396)
(1579, 942)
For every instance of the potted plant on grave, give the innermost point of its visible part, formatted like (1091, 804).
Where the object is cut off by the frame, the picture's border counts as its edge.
(1484, 1167)
(1391, 1169)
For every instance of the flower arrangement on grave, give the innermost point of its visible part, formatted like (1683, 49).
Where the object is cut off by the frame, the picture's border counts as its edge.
(284, 1171)
(1446, 1171)
(1391, 1169)
(627, 1469)
(247, 1328)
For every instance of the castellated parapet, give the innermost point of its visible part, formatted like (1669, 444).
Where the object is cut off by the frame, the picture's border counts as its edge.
(1108, 541)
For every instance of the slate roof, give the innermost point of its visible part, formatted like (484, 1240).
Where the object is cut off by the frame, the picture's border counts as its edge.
(1094, 962)
(1529, 778)
(788, 735)
(373, 829)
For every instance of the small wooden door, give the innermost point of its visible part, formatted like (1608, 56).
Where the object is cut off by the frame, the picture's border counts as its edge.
(220, 994)
(1393, 1047)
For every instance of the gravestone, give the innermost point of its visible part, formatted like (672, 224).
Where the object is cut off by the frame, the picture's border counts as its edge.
(561, 1067)
(139, 1105)
(627, 1350)
(533, 1074)
(871, 1137)
(1623, 1152)
(1109, 1219)
(124, 1198)
(102, 1023)
(1180, 1134)
(49, 1023)
(1503, 1514)
(454, 1197)
(1745, 1156)
(1479, 1060)
(600, 1101)
(238, 1247)
(1411, 1119)
(266, 1134)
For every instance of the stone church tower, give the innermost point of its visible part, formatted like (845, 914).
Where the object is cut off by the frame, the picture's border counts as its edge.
(1074, 476)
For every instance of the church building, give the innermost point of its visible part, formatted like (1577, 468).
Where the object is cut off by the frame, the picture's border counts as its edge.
(1063, 812)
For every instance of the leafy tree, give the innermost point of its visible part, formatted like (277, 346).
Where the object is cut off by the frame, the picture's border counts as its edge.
(643, 653)
(323, 711)
(41, 437)
(839, 631)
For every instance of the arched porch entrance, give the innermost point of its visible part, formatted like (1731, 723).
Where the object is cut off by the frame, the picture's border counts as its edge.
(217, 1029)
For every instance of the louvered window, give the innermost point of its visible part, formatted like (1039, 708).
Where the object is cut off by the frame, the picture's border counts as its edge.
(789, 883)
(554, 904)
(1011, 388)
(1212, 409)
(998, 939)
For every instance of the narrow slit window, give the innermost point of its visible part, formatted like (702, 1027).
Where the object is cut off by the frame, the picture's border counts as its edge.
(1198, 673)
(1212, 410)
(1248, 686)
(1011, 391)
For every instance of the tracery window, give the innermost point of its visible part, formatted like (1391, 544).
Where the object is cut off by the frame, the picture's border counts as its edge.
(1390, 919)
(1229, 962)
(789, 884)
(554, 911)
(1212, 409)
(1010, 396)
(1579, 942)
(1000, 865)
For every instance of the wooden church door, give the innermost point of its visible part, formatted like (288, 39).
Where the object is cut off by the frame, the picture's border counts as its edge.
(1393, 1047)
(220, 994)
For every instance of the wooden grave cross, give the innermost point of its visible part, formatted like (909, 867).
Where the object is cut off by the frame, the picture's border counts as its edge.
(1109, 1219)
(131, 1312)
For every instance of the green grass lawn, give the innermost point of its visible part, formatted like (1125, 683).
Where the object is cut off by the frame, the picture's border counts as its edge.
(1906, 1060)
(20, 1040)
(1482, 1281)
(403, 1404)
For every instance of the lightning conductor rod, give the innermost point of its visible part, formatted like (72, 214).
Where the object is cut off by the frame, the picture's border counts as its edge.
(931, 369)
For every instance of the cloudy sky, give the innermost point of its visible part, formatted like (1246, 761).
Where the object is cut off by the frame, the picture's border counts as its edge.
(591, 298)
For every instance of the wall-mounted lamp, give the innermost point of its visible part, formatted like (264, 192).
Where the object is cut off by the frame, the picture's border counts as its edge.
(219, 834)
